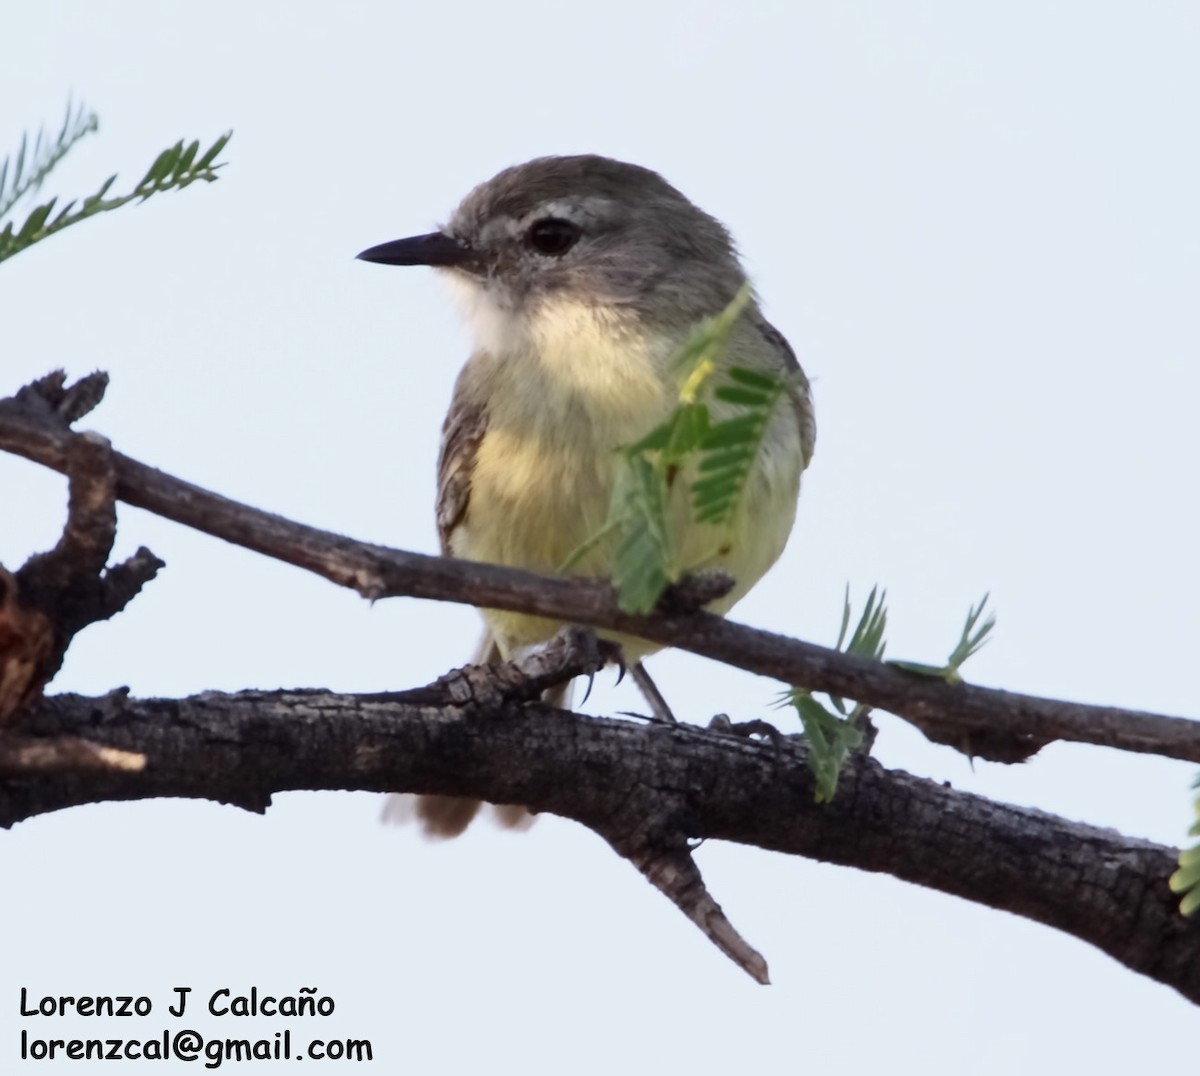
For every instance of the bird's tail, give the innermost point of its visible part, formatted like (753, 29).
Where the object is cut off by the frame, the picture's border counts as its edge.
(442, 817)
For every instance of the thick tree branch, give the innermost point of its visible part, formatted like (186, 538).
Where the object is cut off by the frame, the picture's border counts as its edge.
(646, 788)
(648, 791)
(979, 721)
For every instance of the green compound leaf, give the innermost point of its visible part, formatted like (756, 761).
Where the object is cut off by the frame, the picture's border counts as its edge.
(25, 173)
(973, 637)
(835, 731)
(173, 169)
(644, 559)
(833, 734)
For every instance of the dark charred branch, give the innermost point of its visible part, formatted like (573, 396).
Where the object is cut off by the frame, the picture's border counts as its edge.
(646, 788)
(649, 790)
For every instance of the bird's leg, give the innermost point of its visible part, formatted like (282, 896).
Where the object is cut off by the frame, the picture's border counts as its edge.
(658, 705)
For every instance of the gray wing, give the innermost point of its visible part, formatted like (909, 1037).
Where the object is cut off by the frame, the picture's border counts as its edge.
(800, 394)
(462, 433)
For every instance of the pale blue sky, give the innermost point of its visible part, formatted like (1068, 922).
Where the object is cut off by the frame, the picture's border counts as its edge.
(977, 224)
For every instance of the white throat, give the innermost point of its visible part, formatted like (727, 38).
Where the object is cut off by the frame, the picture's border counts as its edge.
(562, 344)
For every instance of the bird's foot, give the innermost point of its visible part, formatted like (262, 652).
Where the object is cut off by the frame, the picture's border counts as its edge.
(747, 729)
(694, 591)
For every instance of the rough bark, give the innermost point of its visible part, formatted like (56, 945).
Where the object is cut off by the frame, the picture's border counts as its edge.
(649, 789)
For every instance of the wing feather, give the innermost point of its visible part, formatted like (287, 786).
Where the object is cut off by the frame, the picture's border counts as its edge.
(462, 433)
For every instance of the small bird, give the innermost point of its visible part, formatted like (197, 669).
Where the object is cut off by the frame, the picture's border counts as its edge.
(580, 278)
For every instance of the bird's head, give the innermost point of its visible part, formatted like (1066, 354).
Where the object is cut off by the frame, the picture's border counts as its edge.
(581, 230)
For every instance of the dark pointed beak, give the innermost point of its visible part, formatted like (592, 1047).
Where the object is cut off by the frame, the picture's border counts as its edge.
(437, 248)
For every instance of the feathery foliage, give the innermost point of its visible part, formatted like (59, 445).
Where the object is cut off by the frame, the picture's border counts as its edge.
(833, 732)
(24, 174)
(974, 635)
(175, 168)
(721, 455)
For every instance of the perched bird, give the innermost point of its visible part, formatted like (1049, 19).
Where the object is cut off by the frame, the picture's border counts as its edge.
(580, 277)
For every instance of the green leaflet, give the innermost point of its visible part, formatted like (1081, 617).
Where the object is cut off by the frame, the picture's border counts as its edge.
(731, 447)
(867, 640)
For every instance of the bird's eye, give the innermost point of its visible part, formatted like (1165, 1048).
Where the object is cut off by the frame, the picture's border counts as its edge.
(553, 236)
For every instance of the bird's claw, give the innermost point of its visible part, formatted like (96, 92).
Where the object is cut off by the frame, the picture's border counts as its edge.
(596, 653)
(746, 729)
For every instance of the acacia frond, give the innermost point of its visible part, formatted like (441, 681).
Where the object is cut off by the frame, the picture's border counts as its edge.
(970, 642)
(174, 168)
(25, 173)
(833, 734)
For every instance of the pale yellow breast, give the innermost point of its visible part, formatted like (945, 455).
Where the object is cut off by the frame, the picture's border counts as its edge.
(562, 395)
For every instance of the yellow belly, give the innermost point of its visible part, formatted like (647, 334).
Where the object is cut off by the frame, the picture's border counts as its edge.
(535, 500)
(562, 399)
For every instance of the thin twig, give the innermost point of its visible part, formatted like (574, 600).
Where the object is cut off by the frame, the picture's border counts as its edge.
(973, 718)
(674, 873)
